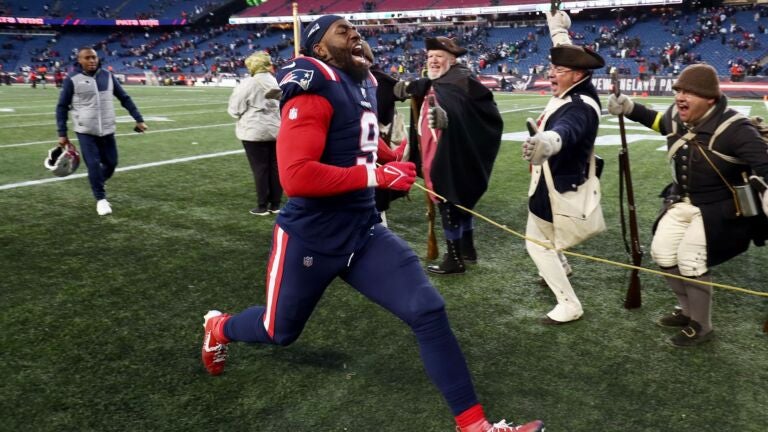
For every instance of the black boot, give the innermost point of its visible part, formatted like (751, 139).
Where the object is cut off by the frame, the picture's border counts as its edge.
(452, 261)
(468, 252)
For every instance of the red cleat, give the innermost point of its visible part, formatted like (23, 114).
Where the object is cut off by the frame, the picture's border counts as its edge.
(502, 426)
(214, 350)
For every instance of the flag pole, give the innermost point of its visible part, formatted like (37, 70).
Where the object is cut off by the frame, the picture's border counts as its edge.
(296, 35)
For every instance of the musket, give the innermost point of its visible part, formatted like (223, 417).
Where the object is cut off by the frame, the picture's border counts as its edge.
(633, 299)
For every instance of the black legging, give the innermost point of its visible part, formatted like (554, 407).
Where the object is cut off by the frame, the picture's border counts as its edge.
(262, 157)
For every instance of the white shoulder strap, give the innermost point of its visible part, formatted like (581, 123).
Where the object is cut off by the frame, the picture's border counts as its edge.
(690, 135)
(720, 129)
(591, 102)
(679, 143)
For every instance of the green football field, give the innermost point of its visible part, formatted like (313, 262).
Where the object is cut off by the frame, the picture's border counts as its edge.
(101, 317)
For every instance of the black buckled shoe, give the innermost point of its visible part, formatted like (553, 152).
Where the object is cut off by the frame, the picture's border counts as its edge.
(452, 261)
(691, 336)
(448, 266)
(675, 319)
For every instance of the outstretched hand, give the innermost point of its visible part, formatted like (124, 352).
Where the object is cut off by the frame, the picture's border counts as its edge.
(540, 147)
(401, 90)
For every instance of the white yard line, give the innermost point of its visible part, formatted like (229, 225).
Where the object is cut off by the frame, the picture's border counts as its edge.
(142, 109)
(123, 134)
(146, 116)
(128, 168)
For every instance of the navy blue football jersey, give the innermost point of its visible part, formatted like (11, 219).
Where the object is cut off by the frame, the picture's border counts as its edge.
(336, 223)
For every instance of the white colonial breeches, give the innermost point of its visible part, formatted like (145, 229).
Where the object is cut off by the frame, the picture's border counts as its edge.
(552, 267)
(680, 240)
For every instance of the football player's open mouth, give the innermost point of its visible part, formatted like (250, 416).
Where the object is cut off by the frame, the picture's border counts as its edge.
(357, 54)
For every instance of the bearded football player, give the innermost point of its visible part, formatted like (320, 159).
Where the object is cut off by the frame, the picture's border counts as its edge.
(327, 151)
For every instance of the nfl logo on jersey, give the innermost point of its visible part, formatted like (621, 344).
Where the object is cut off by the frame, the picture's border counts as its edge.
(307, 261)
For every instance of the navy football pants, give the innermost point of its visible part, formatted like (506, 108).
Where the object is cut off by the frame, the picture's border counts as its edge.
(100, 154)
(385, 270)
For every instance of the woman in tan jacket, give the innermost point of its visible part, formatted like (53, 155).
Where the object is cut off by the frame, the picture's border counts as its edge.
(255, 104)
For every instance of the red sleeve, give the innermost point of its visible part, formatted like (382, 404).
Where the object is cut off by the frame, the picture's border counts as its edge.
(300, 143)
(385, 153)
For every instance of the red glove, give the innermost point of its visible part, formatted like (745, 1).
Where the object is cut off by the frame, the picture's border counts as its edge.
(396, 175)
(400, 149)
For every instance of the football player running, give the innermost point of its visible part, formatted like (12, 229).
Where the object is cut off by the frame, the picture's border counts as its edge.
(327, 159)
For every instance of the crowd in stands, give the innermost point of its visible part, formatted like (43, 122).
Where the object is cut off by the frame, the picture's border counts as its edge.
(153, 9)
(399, 50)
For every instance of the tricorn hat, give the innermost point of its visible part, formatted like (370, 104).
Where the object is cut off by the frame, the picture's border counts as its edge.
(445, 44)
(576, 57)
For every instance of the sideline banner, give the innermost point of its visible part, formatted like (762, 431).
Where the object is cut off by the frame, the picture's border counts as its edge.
(94, 21)
(751, 87)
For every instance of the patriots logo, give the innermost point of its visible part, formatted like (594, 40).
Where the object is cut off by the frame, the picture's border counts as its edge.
(302, 77)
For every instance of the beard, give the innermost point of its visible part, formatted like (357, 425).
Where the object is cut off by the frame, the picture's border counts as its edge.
(433, 75)
(342, 58)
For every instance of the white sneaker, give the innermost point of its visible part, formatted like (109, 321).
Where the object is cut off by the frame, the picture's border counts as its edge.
(103, 208)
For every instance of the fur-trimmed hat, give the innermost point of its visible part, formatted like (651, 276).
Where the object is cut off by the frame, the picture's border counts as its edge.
(700, 79)
(576, 57)
(445, 44)
(258, 62)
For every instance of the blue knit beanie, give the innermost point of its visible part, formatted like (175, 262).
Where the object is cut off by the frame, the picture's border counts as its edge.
(315, 31)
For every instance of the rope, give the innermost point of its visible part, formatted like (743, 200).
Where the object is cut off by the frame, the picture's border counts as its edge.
(593, 258)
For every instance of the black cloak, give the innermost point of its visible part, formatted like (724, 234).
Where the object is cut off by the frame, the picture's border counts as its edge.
(467, 149)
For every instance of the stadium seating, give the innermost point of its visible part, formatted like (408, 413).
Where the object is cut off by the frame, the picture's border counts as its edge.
(110, 8)
(492, 44)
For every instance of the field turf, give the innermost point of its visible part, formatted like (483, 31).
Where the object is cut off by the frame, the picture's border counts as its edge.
(101, 317)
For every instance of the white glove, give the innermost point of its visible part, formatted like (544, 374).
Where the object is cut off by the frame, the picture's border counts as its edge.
(764, 199)
(541, 146)
(620, 105)
(760, 185)
(558, 24)
(437, 118)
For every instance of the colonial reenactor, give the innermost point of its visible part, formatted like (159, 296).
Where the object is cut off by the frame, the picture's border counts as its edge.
(459, 128)
(711, 148)
(565, 141)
